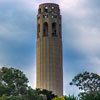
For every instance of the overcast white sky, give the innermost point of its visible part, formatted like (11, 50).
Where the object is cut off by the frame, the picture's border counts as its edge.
(80, 29)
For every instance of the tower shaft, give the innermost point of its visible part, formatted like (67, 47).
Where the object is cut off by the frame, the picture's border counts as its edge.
(49, 70)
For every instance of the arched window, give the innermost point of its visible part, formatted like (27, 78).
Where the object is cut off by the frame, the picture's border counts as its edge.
(38, 31)
(60, 30)
(54, 29)
(45, 29)
(39, 10)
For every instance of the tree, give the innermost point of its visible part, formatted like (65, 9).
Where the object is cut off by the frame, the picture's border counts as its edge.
(47, 93)
(14, 86)
(65, 98)
(42, 97)
(58, 98)
(89, 95)
(4, 97)
(70, 97)
(12, 81)
(89, 83)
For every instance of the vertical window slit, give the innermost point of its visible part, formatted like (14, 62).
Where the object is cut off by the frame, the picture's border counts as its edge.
(45, 29)
(38, 31)
(54, 29)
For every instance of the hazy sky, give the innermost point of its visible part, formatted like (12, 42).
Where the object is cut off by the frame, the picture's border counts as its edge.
(80, 29)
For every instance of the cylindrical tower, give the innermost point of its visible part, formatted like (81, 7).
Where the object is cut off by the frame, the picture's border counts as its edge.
(49, 68)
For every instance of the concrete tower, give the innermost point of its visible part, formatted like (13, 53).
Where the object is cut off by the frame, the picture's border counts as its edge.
(49, 69)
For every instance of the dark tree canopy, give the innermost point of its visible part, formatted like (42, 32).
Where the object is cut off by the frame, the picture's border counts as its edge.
(48, 94)
(90, 95)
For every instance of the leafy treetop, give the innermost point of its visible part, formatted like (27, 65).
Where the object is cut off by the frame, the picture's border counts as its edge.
(87, 81)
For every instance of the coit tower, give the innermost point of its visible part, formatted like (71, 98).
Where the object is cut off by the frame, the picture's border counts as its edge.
(49, 69)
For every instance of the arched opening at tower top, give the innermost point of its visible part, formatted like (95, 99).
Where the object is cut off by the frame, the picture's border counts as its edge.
(45, 29)
(54, 33)
(38, 30)
(39, 11)
(60, 30)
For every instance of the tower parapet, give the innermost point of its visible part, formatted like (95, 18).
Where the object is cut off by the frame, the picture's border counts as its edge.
(49, 21)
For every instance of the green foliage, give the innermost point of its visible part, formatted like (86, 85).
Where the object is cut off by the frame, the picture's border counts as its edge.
(4, 97)
(47, 93)
(90, 95)
(13, 86)
(12, 82)
(89, 83)
(42, 97)
(65, 98)
(58, 98)
(70, 97)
